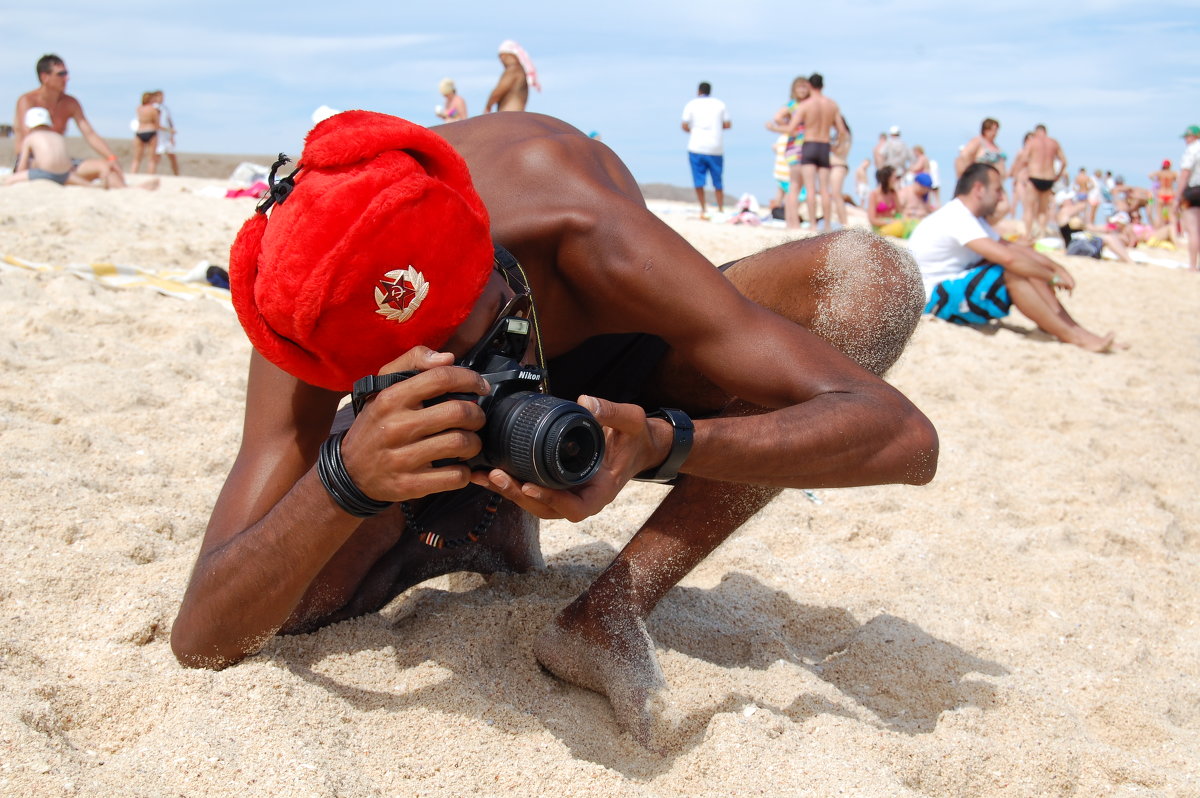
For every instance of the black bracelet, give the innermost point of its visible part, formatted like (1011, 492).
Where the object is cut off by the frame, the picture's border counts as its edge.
(681, 446)
(341, 487)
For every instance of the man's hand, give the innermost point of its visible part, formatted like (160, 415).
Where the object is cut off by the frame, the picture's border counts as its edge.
(632, 444)
(389, 449)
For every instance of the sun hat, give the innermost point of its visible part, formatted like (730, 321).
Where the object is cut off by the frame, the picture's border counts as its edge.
(1192, 130)
(382, 244)
(894, 130)
(36, 117)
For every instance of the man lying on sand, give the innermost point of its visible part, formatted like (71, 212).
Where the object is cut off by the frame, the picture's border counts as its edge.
(972, 275)
(43, 156)
(381, 260)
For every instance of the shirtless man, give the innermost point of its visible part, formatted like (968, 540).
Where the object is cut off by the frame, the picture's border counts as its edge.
(1043, 162)
(818, 115)
(43, 156)
(52, 95)
(776, 403)
(512, 90)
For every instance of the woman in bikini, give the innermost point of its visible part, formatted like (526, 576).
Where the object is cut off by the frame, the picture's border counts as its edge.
(145, 138)
(883, 207)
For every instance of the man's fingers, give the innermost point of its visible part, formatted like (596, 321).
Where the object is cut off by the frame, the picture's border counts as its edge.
(621, 417)
(419, 358)
(501, 483)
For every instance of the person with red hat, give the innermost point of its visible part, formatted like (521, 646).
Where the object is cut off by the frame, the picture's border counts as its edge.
(392, 248)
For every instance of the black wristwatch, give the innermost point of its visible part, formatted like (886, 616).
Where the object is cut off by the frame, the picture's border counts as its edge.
(681, 446)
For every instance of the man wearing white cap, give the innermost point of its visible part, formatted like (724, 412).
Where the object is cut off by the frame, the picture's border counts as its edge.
(512, 90)
(895, 153)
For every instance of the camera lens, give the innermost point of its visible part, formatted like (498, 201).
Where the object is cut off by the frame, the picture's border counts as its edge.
(543, 439)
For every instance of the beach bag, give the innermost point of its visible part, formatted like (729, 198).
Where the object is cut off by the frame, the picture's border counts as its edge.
(1085, 246)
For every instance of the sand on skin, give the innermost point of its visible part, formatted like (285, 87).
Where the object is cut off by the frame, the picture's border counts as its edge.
(1025, 625)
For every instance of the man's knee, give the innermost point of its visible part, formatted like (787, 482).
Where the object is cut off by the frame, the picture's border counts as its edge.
(852, 288)
(870, 298)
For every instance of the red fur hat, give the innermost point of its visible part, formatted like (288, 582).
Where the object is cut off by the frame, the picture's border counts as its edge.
(382, 245)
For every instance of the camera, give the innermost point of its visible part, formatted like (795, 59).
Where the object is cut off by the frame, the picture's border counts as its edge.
(535, 437)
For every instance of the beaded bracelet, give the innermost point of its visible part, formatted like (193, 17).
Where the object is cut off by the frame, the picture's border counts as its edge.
(336, 479)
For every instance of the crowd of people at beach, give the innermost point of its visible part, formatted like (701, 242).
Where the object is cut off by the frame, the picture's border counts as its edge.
(900, 185)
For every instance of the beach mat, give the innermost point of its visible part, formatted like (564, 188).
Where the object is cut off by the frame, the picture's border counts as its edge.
(169, 282)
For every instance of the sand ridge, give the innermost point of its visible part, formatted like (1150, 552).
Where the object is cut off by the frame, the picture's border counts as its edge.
(1025, 625)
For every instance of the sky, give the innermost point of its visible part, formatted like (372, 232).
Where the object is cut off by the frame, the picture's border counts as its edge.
(1113, 82)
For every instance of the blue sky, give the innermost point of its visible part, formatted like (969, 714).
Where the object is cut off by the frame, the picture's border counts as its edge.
(1116, 83)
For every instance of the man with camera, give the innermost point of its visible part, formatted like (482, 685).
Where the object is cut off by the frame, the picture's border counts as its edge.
(521, 250)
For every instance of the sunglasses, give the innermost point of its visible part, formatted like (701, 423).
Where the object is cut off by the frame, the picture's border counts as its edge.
(62, 73)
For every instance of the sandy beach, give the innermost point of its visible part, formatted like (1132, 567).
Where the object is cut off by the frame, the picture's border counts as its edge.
(1025, 625)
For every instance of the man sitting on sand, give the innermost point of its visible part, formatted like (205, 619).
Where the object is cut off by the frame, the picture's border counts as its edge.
(43, 156)
(52, 95)
(384, 258)
(972, 276)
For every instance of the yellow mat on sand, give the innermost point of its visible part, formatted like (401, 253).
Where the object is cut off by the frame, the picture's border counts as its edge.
(171, 282)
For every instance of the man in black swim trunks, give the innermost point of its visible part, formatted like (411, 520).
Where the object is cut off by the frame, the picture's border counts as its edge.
(818, 115)
(387, 239)
(1045, 162)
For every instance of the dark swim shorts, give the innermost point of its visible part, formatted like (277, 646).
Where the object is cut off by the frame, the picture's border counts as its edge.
(815, 152)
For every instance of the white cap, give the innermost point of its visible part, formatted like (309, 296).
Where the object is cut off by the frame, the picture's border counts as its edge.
(894, 130)
(35, 117)
(323, 113)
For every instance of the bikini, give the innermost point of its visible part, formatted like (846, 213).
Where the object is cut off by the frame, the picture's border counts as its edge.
(1041, 184)
(146, 136)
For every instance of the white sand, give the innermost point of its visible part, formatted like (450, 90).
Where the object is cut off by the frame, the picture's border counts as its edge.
(1025, 625)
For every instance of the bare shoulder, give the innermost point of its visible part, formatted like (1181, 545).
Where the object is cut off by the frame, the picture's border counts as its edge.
(525, 164)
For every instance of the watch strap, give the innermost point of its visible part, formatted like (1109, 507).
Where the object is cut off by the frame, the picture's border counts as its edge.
(681, 446)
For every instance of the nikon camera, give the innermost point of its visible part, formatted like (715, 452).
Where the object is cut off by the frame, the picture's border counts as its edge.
(535, 437)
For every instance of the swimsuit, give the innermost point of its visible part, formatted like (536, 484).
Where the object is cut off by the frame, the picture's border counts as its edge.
(795, 141)
(1042, 184)
(42, 174)
(973, 298)
(816, 153)
(991, 157)
(146, 136)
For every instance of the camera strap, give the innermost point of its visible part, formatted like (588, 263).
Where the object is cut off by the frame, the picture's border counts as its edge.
(439, 504)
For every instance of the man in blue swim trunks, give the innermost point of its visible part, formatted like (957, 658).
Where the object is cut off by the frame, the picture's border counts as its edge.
(972, 276)
(705, 120)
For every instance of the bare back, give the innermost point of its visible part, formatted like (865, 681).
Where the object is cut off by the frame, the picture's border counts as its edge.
(1043, 151)
(148, 117)
(819, 115)
(48, 150)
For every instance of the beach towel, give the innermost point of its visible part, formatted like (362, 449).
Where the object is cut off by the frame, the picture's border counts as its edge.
(191, 284)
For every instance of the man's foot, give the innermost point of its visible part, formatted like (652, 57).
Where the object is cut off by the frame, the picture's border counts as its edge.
(1097, 343)
(617, 660)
